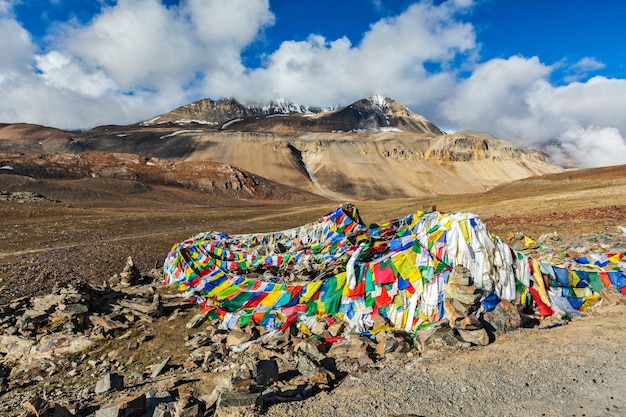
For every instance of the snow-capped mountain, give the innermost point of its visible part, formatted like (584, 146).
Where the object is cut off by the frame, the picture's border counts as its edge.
(376, 113)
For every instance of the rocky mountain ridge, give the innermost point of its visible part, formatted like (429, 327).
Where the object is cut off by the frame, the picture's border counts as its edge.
(374, 113)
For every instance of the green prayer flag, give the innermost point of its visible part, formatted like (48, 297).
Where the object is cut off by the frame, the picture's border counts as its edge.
(595, 282)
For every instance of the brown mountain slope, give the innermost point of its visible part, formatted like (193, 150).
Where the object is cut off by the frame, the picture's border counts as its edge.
(375, 165)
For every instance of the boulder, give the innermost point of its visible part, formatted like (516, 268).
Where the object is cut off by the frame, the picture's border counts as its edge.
(503, 318)
(110, 382)
(237, 337)
(477, 337)
(126, 406)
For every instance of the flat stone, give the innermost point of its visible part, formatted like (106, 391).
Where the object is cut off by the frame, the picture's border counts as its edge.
(154, 309)
(15, 347)
(318, 328)
(310, 346)
(60, 344)
(365, 360)
(308, 367)
(159, 368)
(460, 279)
(126, 406)
(463, 309)
(162, 411)
(393, 342)
(45, 304)
(37, 406)
(469, 323)
(466, 295)
(451, 313)
(230, 399)
(200, 353)
(436, 336)
(106, 323)
(194, 410)
(353, 349)
(197, 340)
(237, 337)
(190, 365)
(73, 309)
(196, 321)
(477, 337)
(461, 289)
(336, 328)
(110, 382)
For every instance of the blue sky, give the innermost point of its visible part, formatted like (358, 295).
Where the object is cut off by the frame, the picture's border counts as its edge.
(529, 71)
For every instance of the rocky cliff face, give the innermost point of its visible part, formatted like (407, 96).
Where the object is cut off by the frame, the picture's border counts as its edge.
(465, 147)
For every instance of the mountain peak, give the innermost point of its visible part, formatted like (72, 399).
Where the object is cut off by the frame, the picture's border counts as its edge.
(382, 105)
(375, 113)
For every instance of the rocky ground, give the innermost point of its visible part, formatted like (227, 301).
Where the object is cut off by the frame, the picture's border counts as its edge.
(86, 331)
(134, 347)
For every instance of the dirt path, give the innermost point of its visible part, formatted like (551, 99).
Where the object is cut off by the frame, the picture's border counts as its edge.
(578, 369)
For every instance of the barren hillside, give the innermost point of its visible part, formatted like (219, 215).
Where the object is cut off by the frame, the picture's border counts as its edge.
(374, 148)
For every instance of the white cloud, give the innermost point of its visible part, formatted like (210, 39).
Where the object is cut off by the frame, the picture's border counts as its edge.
(595, 146)
(16, 47)
(512, 99)
(6, 8)
(497, 98)
(581, 69)
(588, 64)
(61, 71)
(144, 44)
(389, 60)
(234, 22)
(138, 56)
(136, 42)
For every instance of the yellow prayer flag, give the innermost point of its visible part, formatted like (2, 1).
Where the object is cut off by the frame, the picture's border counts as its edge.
(271, 298)
(311, 289)
(541, 287)
(464, 226)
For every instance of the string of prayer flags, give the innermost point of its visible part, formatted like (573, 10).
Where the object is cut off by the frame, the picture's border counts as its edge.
(341, 269)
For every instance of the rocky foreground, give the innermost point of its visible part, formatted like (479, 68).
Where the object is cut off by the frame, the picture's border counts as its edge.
(134, 348)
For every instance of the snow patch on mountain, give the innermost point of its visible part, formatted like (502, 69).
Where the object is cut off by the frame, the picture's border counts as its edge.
(225, 125)
(151, 121)
(196, 121)
(178, 132)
